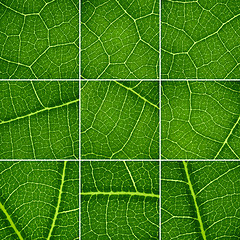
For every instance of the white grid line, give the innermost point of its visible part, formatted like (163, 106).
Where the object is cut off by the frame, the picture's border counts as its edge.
(80, 2)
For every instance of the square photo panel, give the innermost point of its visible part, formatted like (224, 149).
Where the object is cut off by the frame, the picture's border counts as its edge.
(200, 119)
(120, 119)
(120, 39)
(120, 200)
(39, 119)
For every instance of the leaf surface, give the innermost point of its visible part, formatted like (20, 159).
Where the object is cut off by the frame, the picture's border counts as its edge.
(39, 39)
(120, 120)
(200, 39)
(200, 120)
(200, 200)
(120, 39)
(39, 119)
(39, 200)
(120, 200)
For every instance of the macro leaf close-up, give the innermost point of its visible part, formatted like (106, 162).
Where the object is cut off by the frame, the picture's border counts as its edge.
(200, 119)
(200, 200)
(39, 200)
(200, 39)
(120, 39)
(120, 120)
(120, 200)
(39, 39)
(39, 119)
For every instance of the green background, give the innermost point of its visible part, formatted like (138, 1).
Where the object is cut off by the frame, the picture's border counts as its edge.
(39, 39)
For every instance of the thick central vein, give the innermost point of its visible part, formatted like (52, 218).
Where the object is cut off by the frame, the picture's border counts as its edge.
(39, 111)
(195, 200)
(143, 98)
(59, 201)
(11, 221)
(123, 193)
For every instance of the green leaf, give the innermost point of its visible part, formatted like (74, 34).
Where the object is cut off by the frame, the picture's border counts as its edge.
(200, 39)
(39, 39)
(200, 120)
(39, 119)
(39, 200)
(200, 200)
(120, 120)
(120, 200)
(120, 39)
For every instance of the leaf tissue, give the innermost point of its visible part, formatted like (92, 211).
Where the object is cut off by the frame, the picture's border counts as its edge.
(200, 39)
(200, 120)
(200, 200)
(120, 120)
(39, 119)
(39, 39)
(120, 200)
(39, 200)
(120, 39)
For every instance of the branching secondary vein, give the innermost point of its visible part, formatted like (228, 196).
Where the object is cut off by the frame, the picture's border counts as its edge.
(143, 98)
(226, 140)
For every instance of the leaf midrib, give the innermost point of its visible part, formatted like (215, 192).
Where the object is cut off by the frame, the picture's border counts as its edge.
(11, 221)
(59, 200)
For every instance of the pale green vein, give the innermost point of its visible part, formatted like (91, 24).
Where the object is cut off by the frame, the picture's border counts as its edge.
(59, 201)
(143, 98)
(122, 193)
(130, 175)
(173, 180)
(238, 157)
(10, 221)
(31, 138)
(38, 98)
(195, 201)
(39, 111)
(135, 23)
(226, 140)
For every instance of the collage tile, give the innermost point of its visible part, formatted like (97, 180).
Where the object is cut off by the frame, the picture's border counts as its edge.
(119, 119)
